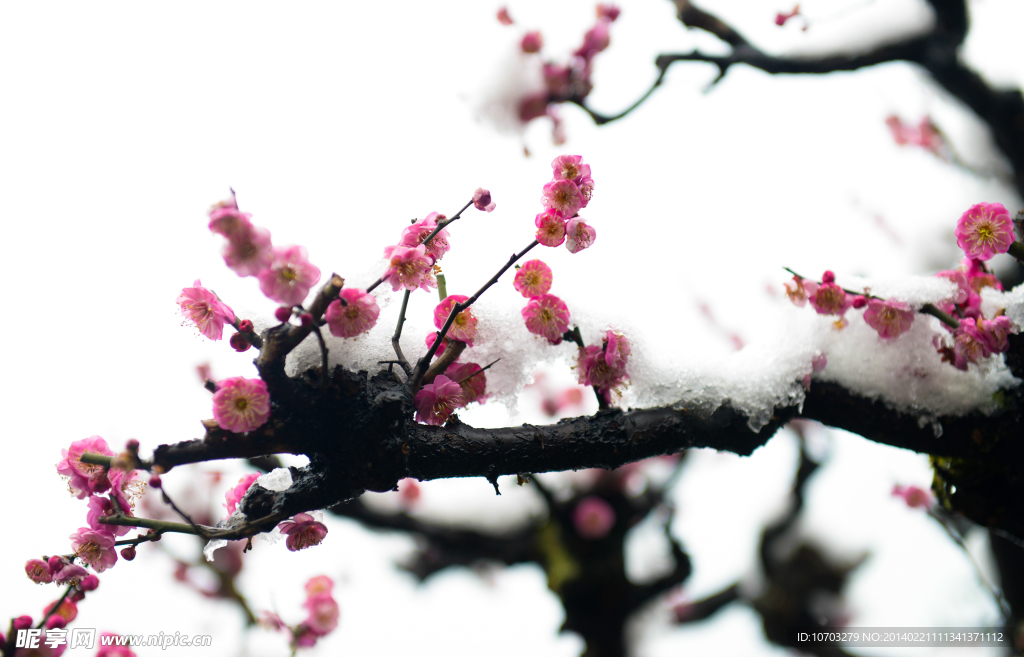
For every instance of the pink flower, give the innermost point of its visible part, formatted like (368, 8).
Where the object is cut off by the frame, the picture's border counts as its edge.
(464, 326)
(319, 585)
(323, 613)
(249, 253)
(532, 279)
(208, 313)
(241, 404)
(235, 495)
(780, 18)
(436, 401)
(229, 222)
(94, 548)
(85, 478)
(101, 507)
(564, 196)
(796, 292)
(995, 333)
(303, 531)
(616, 350)
(432, 338)
(578, 235)
(357, 317)
(890, 318)
(410, 268)
(595, 40)
(609, 11)
(958, 277)
(829, 299)
(70, 574)
(593, 518)
(473, 385)
(914, 497)
(979, 276)
(289, 277)
(586, 187)
(419, 231)
(592, 369)
(984, 230)
(38, 571)
(482, 200)
(550, 227)
(67, 610)
(110, 648)
(547, 316)
(126, 487)
(533, 106)
(503, 16)
(532, 42)
(570, 167)
(969, 345)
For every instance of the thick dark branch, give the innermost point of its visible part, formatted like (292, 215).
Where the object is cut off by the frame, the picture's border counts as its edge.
(280, 340)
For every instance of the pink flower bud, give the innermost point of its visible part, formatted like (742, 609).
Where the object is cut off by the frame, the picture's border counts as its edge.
(154, 481)
(91, 582)
(532, 42)
(482, 200)
(128, 553)
(55, 622)
(21, 623)
(306, 319)
(245, 326)
(593, 518)
(503, 16)
(239, 343)
(860, 301)
(132, 445)
(828, 277)
(283, 314)
(55, 563)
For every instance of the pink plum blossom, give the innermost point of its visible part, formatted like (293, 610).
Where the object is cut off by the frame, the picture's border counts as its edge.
(995, 333)
(550, 227)
(101, 507)
(564, 196)
(436, 401)
(547, 316)
(249, 253)
(578, 235)
(432, 338)
(795, 291)
(69, 573)
(94, 548)
(409, 268)
(482, 200)
(979, 276)
(586, 187)
(969, 345)
(323, 613)
(38, 571)
(914, 497)
(617, 350)
(464, 326)
(319, 585)
(125, 486)
(570, 167)
(532, 279)
(532, 42)
(241, 404)
(503, 16)
(959, 277)
(289, 277)
(235, 495)
(595, 40)
(829, 299)
(84, 478)
(984, 230)
(419, 231)
(230, 222)
(593, 518)
(358, 316)
(609, 11)
(471, 379)
(205, 311)
(890, 318)
(303, 531)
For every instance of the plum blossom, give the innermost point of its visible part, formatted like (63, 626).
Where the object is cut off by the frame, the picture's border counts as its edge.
(38, 571)
(984, 230)
(84, 478)
(319, 585)
(547, 316)
(994, 332)
(94, 548)
(205, 311)
(289, 277)
(586, 187)
(969, 345)
(564, 196)
(604, 367)
(890, 318)
(303, 531)
(226, 220)
(323, 613)
(472, 380)
(125, 486)
(593, 518)
(503, 16)
(436, 401)
(69, 573)
(235, 495)
(978, 275)
(482, 200)
(532, 42)
(796, 292)
(101, 507)
(249, 253)
(828, 298)
(608, 11)
(357, 316)
(409, 268)
(532, 279)
(550, 227)
(432, 338)
(570, 167)
(464, 326)
(419, 231)
(595, 40)
(578, 235)
(241, 404)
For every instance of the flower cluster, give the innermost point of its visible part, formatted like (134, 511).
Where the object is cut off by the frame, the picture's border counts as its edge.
(411, 262)
(322, 615)
(604, 367)
(285, 274)
(977, 337)
(890, 318)
(570, 190)
(564, 81)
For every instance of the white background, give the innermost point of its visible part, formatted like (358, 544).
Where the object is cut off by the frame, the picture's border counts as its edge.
(336, 123)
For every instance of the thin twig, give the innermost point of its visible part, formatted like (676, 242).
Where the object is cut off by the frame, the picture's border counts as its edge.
(398, 334)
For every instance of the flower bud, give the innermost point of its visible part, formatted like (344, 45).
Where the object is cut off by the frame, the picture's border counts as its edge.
(21, 623)
(283, 314)
(828, 277)
(132, 446)
(306, 319)
(859, 301)
(55, 622)
(76, 596)
(55, 563)
(239, 343)
(154, 481)
(245, 326)
(90, 582)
